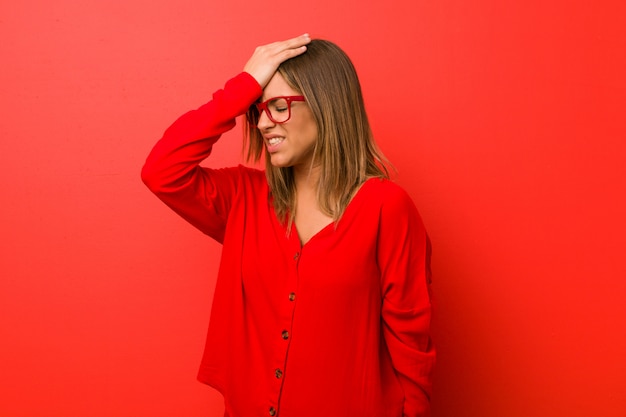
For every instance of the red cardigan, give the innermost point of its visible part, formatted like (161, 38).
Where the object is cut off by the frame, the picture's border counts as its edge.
(337, 327)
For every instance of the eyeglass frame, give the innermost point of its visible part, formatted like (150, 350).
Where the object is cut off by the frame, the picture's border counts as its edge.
(260, 107)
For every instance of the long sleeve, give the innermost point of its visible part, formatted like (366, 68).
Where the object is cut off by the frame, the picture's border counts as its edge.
(404, 259)
(201, 196)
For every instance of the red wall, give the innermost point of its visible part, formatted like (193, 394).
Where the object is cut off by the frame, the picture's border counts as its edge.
(505, 120)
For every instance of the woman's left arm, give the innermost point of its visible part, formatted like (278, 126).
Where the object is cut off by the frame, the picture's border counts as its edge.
(404, 259)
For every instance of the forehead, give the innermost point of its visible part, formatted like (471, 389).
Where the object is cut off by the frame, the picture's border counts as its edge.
(277, 87)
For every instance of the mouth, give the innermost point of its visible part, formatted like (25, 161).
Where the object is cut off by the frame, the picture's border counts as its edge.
(274, 141)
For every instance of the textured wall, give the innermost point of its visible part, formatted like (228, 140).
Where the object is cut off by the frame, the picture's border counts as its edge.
(505, 121)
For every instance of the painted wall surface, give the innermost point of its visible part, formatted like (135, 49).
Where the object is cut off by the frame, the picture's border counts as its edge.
(505, 120)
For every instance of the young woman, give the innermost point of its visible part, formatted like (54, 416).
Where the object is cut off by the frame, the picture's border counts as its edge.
(321, 305)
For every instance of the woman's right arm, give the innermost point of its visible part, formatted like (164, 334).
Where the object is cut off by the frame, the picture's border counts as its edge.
(172, 170)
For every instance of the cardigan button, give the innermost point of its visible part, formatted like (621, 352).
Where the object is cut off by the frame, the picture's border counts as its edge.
(278, 373)
(272, 411)
(285, 334)
(296, 256)
(292, 296)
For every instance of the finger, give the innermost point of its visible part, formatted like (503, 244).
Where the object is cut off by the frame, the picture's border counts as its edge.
(293, 43)
(299, 41)
(266, 59)
(290, 53)
(292, 47)
(278, 52)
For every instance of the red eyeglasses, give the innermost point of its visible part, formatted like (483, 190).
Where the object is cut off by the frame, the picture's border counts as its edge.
(278, 109)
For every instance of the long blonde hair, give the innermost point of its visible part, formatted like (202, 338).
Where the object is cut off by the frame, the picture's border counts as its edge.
(345, 148)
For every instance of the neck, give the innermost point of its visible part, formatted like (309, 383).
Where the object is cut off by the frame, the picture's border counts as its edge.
(306, 177)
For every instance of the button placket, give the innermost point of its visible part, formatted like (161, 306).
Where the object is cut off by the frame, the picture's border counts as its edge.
(278, 373)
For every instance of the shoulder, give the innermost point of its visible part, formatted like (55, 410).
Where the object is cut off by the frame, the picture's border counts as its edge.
(238, 177)
(387, 193)
(251, 179)
(398, 216)
(240, 172)
(253, 174)
(394, 205)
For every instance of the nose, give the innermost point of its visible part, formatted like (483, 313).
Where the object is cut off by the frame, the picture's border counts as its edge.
(264, 121)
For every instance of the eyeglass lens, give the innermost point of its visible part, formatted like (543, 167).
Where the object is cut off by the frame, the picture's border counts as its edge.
(279, 110)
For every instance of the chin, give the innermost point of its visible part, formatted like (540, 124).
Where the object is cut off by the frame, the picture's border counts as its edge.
(279, 163)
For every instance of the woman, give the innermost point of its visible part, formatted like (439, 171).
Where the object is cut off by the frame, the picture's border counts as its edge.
(321, 305)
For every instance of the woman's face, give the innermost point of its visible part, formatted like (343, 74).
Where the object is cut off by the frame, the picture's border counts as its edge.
(288, 144)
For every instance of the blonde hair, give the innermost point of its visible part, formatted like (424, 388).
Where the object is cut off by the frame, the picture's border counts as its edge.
(345, 148)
